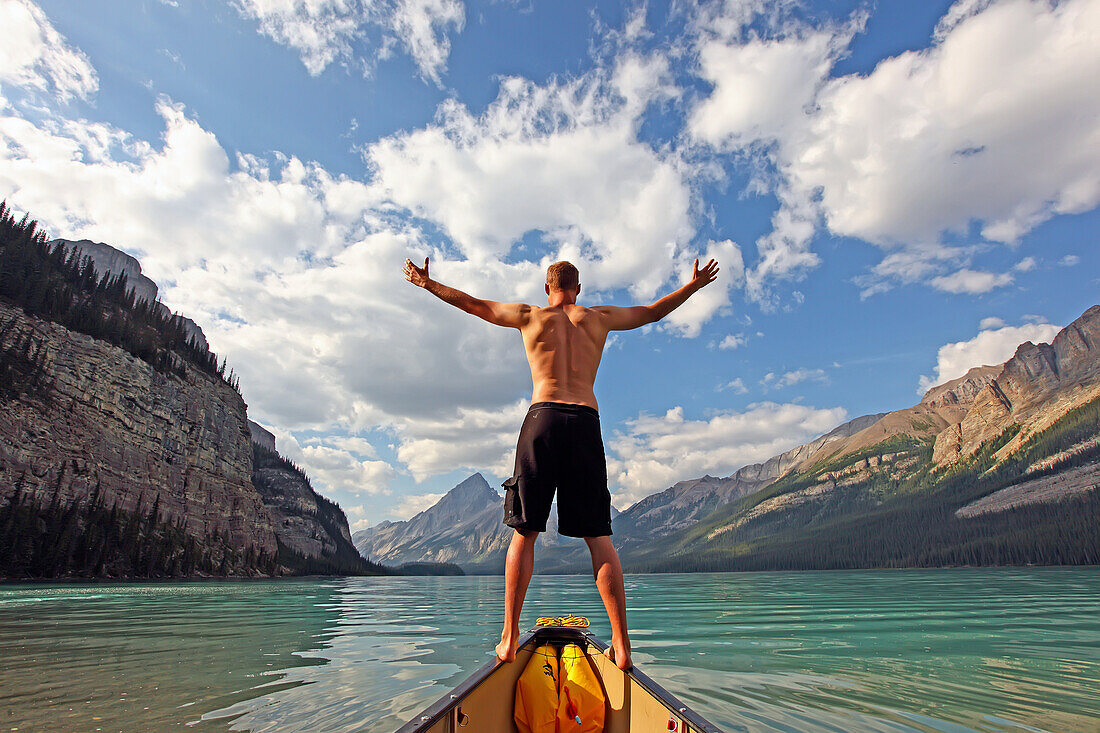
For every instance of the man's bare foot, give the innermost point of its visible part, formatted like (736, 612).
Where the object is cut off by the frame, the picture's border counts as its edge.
(506, 649)
(619, 654)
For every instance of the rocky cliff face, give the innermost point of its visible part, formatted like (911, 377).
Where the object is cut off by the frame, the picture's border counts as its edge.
(962, 391)
(110, 423)
(261, 435)
(942, 406)
(124, 448)
(107, 259)
(312, 532)
(1034, 388)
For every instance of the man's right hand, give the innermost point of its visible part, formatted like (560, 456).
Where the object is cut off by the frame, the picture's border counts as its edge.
(419, 275)
(700, 278)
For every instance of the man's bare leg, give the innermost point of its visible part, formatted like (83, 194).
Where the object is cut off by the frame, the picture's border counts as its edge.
(517, 575)
(609, 581)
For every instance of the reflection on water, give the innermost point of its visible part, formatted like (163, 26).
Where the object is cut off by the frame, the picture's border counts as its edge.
(935, 650)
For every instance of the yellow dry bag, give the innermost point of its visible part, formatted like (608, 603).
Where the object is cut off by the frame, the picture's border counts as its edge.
(581, 698)
(537, 693)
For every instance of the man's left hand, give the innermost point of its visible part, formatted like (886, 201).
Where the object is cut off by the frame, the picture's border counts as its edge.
(701, 278)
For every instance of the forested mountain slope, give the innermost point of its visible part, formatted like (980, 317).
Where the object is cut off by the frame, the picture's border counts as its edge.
(1012, 480)
(125, 448)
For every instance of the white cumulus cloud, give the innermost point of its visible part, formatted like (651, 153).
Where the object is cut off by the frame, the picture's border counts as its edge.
(997, 122)
(410, 506)
(760, 86)
(793, 377)
(34, 55)
(737, 386)
(468, 438)
(733, 341)
(971, 282)
(336, 469)
(422, 26)
(714, 298)
(562, 159)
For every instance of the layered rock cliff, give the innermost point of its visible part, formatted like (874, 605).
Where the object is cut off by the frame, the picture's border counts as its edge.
(125, 449)
(261, 435)
(1039, 384)
(109, 424)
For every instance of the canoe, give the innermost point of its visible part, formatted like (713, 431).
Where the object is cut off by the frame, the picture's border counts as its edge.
(483, 703)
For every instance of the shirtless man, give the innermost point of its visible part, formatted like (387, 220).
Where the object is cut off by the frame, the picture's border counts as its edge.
(560, 446)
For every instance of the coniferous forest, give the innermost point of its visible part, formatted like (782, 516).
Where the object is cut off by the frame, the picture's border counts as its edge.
(89, 539)
(59, 285)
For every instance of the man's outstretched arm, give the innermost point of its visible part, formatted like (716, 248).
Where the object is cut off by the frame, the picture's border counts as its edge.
(511, 315)
(624, 319)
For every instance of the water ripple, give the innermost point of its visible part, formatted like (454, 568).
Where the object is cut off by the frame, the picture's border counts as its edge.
(927, 650)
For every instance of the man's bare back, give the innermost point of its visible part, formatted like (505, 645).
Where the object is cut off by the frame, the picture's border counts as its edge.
(564, 343)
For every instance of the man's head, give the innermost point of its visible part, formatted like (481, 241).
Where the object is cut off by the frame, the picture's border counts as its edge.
(563, 277)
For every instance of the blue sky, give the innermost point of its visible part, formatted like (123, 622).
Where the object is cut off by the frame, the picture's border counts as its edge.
(897, 191)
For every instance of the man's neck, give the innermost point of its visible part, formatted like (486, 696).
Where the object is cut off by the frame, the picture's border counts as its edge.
(560, 298)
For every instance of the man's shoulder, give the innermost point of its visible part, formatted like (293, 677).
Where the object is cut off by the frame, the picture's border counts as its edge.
(590, 315)
(599, 309)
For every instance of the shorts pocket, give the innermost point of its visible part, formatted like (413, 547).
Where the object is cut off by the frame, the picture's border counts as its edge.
(513, 508)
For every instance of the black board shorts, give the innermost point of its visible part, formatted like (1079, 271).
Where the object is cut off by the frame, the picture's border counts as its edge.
(560, 448)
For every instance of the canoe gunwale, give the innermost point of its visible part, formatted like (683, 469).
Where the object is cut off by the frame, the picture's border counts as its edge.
(541, 634)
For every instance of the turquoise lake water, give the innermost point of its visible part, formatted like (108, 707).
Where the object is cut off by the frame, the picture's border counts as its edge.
(909, 650)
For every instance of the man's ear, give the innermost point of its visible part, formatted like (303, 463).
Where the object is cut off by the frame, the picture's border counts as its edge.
(578, 288)
(546, 287)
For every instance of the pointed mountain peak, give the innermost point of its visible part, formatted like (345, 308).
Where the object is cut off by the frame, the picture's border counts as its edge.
(474, 485)
(469, 498)
(471, 494)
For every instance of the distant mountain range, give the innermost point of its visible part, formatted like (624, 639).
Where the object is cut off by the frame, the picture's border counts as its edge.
(999, 466)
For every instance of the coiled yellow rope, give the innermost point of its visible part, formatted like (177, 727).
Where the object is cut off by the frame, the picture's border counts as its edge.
(577, 622)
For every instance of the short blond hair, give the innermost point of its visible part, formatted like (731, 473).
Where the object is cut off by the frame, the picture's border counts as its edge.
(562, 276)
